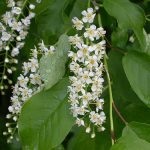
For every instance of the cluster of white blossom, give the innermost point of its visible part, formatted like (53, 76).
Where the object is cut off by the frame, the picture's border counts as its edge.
(88, 49)
(28, 84)
(14, 27)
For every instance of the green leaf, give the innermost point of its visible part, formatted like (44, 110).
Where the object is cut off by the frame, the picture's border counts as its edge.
(51, 19)
(2, 6)
(133, 138)
(119, 38)
(52, 67)
(82, 140)
(127, 102)
(147, 47)
(78, 7)
(60, 147)
(128, 15)
(136, 47)
(45, 119)
(137, 69)
(141, 129)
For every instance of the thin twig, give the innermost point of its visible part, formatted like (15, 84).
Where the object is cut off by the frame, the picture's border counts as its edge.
(119, 114)
(111, 101)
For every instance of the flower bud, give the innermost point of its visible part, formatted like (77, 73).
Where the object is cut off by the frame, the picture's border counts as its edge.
(93, 135)
(88, 130)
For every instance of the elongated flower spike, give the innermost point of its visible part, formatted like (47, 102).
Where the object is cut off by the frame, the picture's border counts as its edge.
(88, 49)
(14, 27)
(28, 84)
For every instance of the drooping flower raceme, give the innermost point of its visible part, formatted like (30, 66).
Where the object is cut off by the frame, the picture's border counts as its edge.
(14, 27)
(28, 84)
(88, 49)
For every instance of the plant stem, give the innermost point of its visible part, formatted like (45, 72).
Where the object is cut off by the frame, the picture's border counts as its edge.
(111, 101)
(119, 114)
(110, 95)
(89, 3)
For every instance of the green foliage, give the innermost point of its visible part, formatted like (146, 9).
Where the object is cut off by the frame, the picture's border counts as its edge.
(119, 38)
(133, 138)
(137, 68)
(147, 46)
(82, 140)
(51, 18)
(45, 119)
(2, 6)
(52, 66)
(124, 97)
(128, 15)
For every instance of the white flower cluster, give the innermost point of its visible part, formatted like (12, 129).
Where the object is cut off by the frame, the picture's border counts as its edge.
(28, 84)
(14, 27)
(88, 49)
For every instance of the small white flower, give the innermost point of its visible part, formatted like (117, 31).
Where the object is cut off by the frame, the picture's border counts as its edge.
(74, 67)
(26, 68)
(35, 79)
(5, 36)
(34, 52)
(76, 40)
(16, 10)
(7, 17)
(90, 32)
(23, 34)
(10, 3)
(15, 52)
(25, 92)
(100, 33)
(33, 64)
(31, 15)
(86, 98)
(78, 24)
(26, 21)
(83, 51)
(42, 47)
(86, 77)
(16, 26)
(93, 116)
(88, 16)
(92, 61)
(79, 122)
(23, 80)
